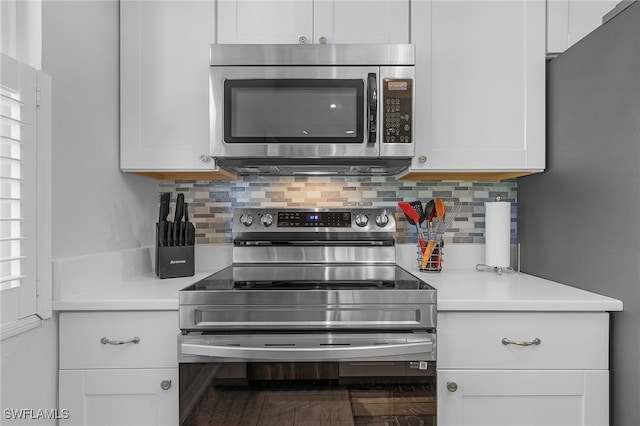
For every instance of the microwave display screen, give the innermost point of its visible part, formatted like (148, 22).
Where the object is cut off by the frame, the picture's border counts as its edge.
(398, 85)
(294, 110)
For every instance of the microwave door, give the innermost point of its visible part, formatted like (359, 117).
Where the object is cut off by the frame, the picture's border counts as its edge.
(293, 112)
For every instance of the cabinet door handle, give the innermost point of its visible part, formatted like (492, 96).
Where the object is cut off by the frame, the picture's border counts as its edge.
(106, 341)
(535, 341)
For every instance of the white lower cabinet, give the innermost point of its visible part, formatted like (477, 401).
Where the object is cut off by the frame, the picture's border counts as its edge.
(523, 368)
(523, 397)
(112, 397)
(119, 368)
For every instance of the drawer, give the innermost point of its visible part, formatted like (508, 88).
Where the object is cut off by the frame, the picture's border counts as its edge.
(566, 340)
(81, 335)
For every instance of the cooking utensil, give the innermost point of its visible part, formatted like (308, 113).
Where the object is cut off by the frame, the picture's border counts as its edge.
(417, 206)
(439, 209)
(429, 210)
(429, 213)
(413, 217)
(426, 256)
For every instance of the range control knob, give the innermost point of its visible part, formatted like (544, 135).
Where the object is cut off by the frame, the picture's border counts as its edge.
(267, 220)
(382, 220)
(362, 220)
(246, 219)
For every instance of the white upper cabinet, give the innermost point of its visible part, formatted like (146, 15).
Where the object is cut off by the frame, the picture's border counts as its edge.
(480, 86)
(568, 21)
(264, 22)
(164, 66)
(313, 21)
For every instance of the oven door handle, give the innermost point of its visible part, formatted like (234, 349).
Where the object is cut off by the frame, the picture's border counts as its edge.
(322, 352)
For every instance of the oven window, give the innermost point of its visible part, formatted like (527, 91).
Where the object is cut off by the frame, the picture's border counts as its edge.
(294, 110)
(311, 393)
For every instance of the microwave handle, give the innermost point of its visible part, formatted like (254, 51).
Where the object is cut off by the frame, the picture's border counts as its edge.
(372, 100)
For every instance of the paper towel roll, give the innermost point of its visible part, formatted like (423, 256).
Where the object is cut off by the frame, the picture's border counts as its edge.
(498, 234)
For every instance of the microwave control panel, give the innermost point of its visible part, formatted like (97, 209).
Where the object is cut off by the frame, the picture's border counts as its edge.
(397, 114)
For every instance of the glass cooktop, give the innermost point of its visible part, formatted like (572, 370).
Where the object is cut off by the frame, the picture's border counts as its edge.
(310, 277)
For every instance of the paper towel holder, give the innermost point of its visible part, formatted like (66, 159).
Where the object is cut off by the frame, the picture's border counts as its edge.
(481, 267)
(515, 252)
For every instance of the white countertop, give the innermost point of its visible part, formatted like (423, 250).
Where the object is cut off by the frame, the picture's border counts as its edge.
(470, 290)
(460, 288)
(143, 293)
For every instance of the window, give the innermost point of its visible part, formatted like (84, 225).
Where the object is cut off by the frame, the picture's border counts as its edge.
(25, 241)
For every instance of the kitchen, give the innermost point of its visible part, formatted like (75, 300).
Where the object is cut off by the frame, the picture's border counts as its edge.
(81, 50)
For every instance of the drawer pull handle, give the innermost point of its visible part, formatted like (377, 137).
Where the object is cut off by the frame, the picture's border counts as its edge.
(106, 341)
(535, 341)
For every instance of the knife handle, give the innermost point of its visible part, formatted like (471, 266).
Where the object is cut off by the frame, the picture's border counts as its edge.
(159, 234)
(169, 233)
(181, 229)
(190, 238)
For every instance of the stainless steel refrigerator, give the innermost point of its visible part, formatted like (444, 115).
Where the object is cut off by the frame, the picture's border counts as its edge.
(579, 221)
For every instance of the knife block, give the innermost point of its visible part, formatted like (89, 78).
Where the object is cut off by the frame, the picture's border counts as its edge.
(174, 261)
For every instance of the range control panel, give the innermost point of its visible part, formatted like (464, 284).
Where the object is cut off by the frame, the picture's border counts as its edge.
(339, 220)
(397, 112)
(313, 219)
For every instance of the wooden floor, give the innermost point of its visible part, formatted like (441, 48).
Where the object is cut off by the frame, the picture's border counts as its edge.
(339, 407)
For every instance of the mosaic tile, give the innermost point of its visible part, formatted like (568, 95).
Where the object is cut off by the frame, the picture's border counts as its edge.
(212, 203)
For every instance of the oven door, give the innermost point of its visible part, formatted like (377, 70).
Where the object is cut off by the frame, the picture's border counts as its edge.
(315, 379)
(293, 111)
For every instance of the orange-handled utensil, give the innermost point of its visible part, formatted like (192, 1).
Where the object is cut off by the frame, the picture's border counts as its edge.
(440, 208)
(427, 253)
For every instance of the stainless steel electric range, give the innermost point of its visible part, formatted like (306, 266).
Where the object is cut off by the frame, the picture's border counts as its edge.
(314, 303)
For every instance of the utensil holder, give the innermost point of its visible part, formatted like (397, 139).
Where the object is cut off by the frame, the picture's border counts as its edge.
(434, 261)
(174, 261)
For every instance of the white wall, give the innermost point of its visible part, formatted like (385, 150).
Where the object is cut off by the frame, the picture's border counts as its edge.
(96, 208)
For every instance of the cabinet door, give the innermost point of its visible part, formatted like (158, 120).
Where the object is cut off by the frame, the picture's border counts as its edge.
(268, 22)
(480, 85)
(357, 21)
(523, 398)
(164, 78)
(119, 397)
(568, 21)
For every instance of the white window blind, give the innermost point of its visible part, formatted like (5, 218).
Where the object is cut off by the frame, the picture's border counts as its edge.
(18, 191)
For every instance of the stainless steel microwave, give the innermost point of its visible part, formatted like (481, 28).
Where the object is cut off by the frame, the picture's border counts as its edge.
(312, 109)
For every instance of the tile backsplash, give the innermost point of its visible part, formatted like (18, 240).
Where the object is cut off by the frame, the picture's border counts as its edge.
(211, 203)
